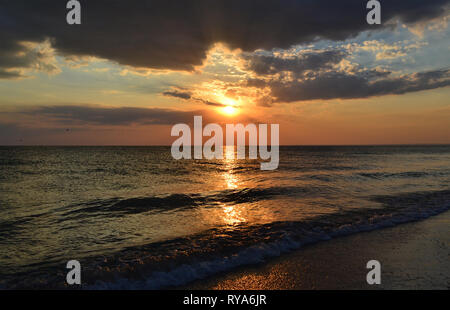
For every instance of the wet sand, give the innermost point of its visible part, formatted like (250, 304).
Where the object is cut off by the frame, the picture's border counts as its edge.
(412, 256)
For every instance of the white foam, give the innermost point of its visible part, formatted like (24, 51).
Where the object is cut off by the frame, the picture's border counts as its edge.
(257, 253)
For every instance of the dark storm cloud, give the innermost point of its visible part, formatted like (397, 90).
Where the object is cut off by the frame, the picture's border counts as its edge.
(267, 64)
(173, 34)
(363, 84)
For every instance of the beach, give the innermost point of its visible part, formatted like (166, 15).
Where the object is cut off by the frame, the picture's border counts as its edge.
(414, 255)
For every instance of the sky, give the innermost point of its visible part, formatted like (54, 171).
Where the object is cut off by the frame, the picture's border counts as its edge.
(133, 69)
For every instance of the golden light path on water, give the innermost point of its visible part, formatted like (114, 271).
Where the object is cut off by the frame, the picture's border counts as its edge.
(232, 214)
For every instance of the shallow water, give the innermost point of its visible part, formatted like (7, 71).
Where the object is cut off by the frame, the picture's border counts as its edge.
(136, 218)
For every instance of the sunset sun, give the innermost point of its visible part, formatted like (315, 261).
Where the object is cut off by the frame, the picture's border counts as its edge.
(230, 107)
(229, 110)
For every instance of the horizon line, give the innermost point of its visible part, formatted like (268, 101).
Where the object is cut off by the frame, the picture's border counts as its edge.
(169, 145)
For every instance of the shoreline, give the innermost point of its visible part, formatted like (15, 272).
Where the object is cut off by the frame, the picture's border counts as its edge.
(413, 255)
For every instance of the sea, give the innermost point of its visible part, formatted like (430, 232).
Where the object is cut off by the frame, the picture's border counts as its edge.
(135, 218)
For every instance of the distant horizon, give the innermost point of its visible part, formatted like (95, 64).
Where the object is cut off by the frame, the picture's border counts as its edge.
(168, 145)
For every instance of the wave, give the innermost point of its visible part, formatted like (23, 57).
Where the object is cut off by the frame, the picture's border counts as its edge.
(160, 203)
(176, 262)
(202, 255)
(10, 228)
(408, 174)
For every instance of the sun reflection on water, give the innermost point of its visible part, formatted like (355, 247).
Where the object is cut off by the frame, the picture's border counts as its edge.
(231, 180)
(232, 214)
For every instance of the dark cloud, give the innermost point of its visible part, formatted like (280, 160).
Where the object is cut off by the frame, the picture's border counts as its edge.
(13, 56)
(178, 94)
(173, 34)
(82, 115)
(317, 75)
(210, 103)
(97, 125)
(348, 85)
(16, 57)
(187, 95)
(10, 74)
(112, 116)
(314, 60)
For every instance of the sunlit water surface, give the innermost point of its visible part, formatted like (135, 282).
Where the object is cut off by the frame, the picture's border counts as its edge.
(111, 207)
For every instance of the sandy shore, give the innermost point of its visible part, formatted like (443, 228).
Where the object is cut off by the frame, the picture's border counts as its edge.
(412, 256)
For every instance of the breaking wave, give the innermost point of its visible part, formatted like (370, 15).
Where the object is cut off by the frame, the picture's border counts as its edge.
(179, 261)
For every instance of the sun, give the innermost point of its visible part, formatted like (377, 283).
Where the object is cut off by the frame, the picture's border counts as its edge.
(229, 110)
(230, 107)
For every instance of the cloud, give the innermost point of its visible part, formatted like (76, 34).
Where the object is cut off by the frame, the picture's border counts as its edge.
(329, 74)
(97, 115)
(385, 51)
(186, 95)
(178, 94)
(317, 60)
(21, 57)
(349, 85)
(210, 103)
(173, 34)
(98, 125)
(10, 74)
(80, 116)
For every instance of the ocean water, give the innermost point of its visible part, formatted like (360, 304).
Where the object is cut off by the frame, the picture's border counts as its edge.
(136, 218)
